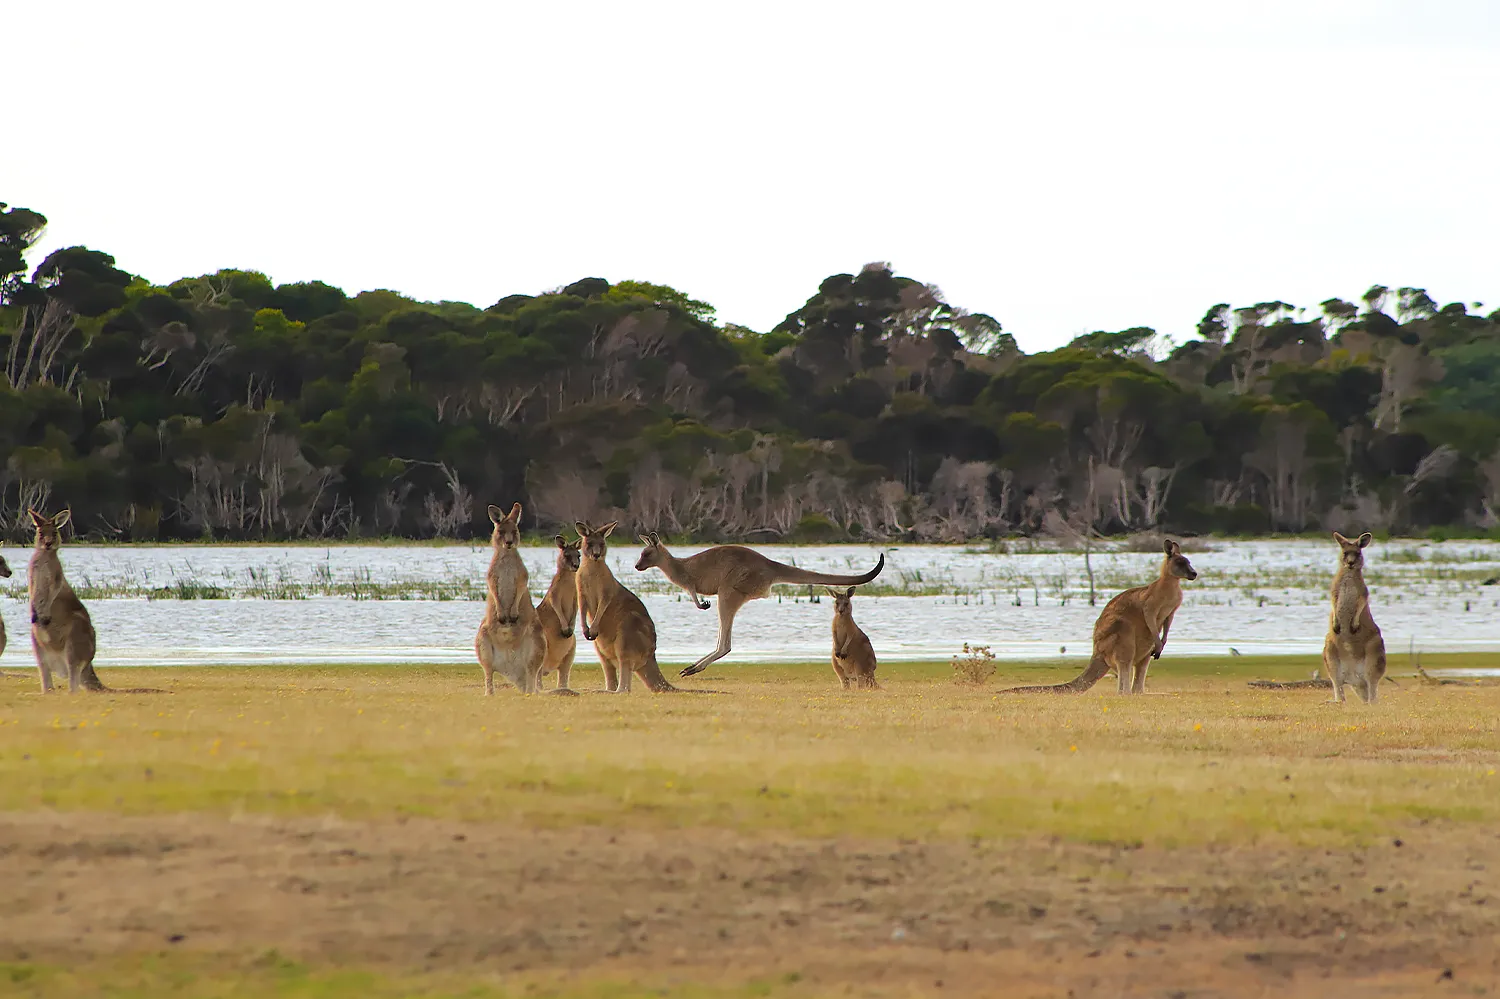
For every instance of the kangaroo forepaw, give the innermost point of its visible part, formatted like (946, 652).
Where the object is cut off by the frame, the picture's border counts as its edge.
(566, 634)
(690, 670)
(1156, 653)
(1354, 629)
(589, 636)
(702, 604)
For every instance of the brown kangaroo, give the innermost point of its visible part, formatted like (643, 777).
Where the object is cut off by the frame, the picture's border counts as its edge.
(614, 619)
(736, 575)
(1354, 651)
(4, 574)
(558, 610)
(510, 636)
(62, 634)
(853, 655)
(1132, 630)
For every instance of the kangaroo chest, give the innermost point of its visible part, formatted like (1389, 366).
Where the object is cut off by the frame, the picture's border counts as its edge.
(508, 574)
(44, 574)
(1346, 595)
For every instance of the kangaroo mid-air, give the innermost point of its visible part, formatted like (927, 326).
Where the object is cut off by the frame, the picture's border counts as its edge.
(1132, 630)
(510, 636)
(558, 611)
(614, 619)
(1354, 651)
(736, 575)
(853, 655)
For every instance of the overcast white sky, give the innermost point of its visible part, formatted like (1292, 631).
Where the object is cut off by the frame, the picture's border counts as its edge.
(1063, 166)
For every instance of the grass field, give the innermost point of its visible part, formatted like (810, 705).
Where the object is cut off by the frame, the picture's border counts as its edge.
(388, 831)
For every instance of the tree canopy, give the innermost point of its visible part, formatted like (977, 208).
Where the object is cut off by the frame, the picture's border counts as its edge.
(227, 406)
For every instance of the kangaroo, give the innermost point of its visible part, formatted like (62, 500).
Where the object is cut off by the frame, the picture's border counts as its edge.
(558, 610)
(614, 619)
(62, 634)
(510, 636)
(853, 655)
(1354, 651)
(4, 574)
(736, 575)
(1132, 630)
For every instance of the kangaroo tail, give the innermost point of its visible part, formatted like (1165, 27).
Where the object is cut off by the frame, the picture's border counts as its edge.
(1083, 681)
(91, 681)
(792, 574)
(650, 674)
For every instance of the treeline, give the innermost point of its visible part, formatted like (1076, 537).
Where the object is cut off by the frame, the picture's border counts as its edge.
(224, 406)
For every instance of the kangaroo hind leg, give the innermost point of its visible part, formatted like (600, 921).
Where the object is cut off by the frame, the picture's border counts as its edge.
(729, 605)
(43, 663)
(485, 652)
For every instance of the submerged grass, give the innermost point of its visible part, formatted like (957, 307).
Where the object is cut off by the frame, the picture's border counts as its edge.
(1202, 759)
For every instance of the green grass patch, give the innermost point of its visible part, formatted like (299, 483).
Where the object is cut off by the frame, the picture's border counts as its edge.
(1200, 759)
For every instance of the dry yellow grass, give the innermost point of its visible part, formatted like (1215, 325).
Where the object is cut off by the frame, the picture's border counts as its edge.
(1199, 764)
(1200, 759)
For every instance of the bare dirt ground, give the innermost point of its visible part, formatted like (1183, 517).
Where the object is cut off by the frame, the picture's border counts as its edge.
(1421, 917)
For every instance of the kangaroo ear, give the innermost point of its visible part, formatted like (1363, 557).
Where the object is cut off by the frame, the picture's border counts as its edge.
(62, 518)
(645, 539)
(1365, 539)
(609, 527)
(1171, 547)
(583, 529)
(562, 542)
(37, 519)
(832, 592)
(850, 592)
(655, 538)
(515, 513)
(1340, 538)
(495, 515)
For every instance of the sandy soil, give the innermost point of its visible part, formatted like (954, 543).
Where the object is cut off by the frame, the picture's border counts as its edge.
(883, 918)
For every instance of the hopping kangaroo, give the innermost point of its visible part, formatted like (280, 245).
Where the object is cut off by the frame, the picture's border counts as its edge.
(62, 635)
(558, 610)
(736, 575)
(510, 636)
(1353, 652)
(1132, 630)
(614, 619)
(853, 655)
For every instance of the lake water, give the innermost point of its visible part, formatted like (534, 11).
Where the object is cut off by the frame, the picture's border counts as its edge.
(1256, 597)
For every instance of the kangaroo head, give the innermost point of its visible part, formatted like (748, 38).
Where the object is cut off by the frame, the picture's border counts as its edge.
(1177, 563)
(4, 568)
(843, 603)
(568, 554)
(652, 555)
(507, 532)
(48, 529)
(592, 539)
(1352, 552)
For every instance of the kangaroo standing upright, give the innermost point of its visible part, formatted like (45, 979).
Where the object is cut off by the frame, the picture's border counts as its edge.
(1132, 630)
(510, 636)
(62, 634)
(736, 575)
(1354, 651)
(558, 610)
(853, 655)
(614, 619)
(4, 574)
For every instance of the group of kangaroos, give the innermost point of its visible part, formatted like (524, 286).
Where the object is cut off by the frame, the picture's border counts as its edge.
(525, 642)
